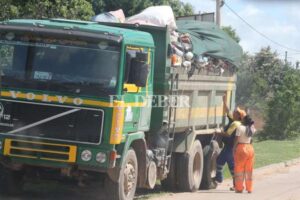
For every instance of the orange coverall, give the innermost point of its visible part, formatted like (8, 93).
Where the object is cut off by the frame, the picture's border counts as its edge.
(243, 167)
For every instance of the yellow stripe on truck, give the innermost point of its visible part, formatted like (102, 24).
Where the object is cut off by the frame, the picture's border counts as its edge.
(45, 98)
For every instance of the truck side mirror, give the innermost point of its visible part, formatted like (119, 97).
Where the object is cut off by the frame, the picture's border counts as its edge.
(128, 67)
(139, 70)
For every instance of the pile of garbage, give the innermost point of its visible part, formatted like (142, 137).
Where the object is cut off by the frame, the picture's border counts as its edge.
(182, 56)
(181, 47)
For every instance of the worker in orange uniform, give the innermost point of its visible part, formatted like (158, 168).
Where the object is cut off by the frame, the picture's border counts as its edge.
(228, 136)
(244, 155)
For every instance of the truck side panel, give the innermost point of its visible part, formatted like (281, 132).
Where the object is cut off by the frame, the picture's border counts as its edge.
(204, 96)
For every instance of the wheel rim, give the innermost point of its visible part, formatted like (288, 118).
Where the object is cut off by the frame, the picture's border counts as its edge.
(129, 178)
(196, 167)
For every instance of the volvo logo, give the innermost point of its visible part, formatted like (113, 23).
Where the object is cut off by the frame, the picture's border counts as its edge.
(46, 98)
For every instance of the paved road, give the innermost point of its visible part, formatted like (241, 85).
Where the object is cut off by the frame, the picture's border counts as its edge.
(280, 184)
(271, 183)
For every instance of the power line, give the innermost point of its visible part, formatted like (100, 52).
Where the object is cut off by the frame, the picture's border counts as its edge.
(260, 33)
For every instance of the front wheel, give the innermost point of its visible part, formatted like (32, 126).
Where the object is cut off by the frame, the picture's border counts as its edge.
(124, 188)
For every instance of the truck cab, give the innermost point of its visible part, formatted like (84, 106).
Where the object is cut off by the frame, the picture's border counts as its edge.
(70, 93)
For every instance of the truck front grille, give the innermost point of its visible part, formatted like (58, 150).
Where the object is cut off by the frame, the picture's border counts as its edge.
(40, 150)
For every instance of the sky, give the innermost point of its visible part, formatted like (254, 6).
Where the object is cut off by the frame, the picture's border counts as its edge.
(279, 20)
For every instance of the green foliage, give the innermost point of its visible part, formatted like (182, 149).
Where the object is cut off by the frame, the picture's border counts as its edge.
(264, 82)
(71, 9)
(98, 6)
(283, 119)
(232, 33)
(244, 81)
(8, 10)
(82, 9)
(258, 77)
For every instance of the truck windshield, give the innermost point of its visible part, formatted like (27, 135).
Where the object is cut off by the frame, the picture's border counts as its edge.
(64, 65)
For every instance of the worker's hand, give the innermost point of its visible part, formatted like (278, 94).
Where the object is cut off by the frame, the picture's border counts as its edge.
(224, 97)
(218, 130)
(225, 106)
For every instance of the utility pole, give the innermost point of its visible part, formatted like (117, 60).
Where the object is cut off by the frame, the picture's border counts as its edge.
(297, 65)
(285, 58)
(219, 4)
(218, 12)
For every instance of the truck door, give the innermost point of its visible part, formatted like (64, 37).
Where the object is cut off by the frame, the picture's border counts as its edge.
(138, 109)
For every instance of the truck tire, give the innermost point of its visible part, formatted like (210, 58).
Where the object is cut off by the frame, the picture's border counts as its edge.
(190, 168)
(170, 183)
(210, 153)
(125, 188)
(11, 182)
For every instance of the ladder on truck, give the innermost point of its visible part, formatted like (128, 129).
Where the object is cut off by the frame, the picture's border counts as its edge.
(173, 102)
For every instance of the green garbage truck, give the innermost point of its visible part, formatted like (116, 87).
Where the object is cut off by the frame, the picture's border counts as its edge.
(82, 99)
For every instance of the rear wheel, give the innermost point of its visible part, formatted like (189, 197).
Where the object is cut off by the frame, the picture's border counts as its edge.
(11, 182)
(190, 168)
(211, 153)
(124, 188)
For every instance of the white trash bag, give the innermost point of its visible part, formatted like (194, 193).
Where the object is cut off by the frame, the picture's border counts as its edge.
(155, 15)
(116, 16)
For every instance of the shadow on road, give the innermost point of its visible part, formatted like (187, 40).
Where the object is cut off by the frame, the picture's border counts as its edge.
(55, 190)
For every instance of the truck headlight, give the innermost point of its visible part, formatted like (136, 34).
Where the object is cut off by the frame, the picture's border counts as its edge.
(86, 155)
(101, 157)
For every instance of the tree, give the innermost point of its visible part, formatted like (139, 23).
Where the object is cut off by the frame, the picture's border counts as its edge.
(244, 81)
(283, 116)
(71, 9)
(82, 9)
(8, 10)
(268, 71)
(232, 33)
(258, 77)
(98, 6)
(266, 83)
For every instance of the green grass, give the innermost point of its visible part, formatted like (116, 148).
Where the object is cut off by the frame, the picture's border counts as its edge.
(273, 151)
(270, 151)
